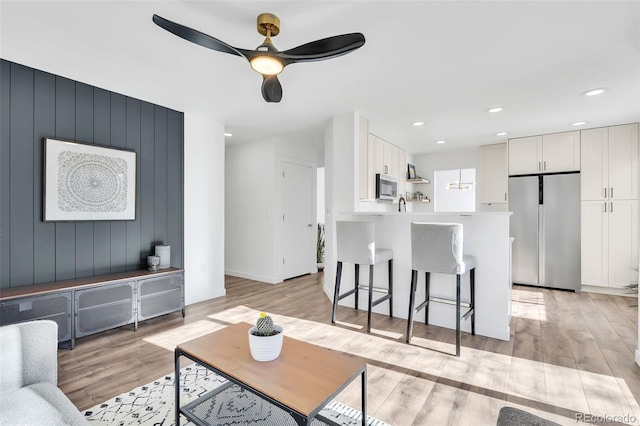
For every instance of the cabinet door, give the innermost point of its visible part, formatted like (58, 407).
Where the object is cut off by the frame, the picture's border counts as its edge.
(390, 159)
(494, 173)
(378, 156)
(402, 172)
(594, 159)
(623, 242)
(561, 152)
(594, 242)
(371, 169)
(623, 162)
(525, 155)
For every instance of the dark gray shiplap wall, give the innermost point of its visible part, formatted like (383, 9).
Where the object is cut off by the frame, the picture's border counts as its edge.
(36, 104)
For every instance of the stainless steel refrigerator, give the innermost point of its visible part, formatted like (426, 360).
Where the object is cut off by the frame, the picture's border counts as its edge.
(546, 227)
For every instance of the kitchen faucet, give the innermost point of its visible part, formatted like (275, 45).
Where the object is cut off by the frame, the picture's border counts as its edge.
(401, 200)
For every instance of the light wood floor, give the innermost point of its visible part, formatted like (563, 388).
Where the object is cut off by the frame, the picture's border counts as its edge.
(568, 353)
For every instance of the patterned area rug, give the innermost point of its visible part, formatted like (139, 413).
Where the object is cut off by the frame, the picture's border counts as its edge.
(153, 404)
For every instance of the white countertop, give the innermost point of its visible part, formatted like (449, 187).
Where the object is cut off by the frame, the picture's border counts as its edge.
(429, 213)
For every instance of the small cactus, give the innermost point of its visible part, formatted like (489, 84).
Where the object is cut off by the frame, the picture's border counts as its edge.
(264, 326)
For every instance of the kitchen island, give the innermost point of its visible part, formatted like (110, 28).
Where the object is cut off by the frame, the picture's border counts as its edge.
(486, 236)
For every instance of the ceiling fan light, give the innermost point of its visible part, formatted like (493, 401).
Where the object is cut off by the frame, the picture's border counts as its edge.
(266, 65)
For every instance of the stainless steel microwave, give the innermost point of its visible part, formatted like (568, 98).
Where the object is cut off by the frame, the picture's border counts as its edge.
(386, 187)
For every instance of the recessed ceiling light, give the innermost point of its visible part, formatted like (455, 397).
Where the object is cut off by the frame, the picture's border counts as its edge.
(228, 134)
(595, 92)
(441, 142)
(578, 123)
(495, 109)
(502, 133)
(418, 123)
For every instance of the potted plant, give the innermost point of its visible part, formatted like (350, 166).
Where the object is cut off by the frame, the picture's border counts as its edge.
(320, 247)
(265, 339)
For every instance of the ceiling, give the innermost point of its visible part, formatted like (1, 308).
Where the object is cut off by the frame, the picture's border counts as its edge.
(444, 63)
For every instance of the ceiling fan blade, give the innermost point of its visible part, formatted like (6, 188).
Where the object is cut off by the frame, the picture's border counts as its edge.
(195, 36)
(326, 48)
(271, 88)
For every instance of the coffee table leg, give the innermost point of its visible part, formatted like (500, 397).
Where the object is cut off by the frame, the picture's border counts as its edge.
(177, 386)
(364, 396)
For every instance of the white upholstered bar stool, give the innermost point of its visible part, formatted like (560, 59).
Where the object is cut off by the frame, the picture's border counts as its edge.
(356, 244)
(437, 248)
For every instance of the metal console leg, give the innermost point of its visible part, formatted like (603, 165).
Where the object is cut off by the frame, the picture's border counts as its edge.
(177, 385)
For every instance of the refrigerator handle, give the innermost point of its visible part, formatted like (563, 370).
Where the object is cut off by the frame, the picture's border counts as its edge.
(541, 248)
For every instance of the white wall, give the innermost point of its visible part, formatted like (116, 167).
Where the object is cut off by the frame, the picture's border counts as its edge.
(203, 209)
(341, 182)
(253, 227)
(426, 164)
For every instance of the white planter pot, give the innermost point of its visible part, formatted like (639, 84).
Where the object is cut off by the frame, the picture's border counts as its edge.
(266, 348)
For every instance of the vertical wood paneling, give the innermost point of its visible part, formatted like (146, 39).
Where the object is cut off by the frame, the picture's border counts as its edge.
(174, 183)
(44, 125)
(21, 183)
(36, 105)
(133, 226)
(147, 184)
(65, 129)
(5, 174)
(101, 136)
(160, 175)
(118, 140)
(84, 133)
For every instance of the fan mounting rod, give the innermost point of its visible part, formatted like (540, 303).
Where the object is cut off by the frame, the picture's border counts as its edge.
(268, 24)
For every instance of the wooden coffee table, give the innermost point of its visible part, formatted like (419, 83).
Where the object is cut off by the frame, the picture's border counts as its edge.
(301, 381)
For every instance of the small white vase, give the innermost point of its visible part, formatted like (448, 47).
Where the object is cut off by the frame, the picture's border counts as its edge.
(265, 348)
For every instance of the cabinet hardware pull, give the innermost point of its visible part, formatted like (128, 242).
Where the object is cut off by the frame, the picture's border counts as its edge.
(545, 165)
(605, 206)
(605, 193)
(539, 166)
(611, 209)
(505, 196)
(611, 192)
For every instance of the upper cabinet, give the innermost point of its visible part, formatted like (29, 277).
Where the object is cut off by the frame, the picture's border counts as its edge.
(552, 153)
(610, 163)
(493, 174)
(378, 156)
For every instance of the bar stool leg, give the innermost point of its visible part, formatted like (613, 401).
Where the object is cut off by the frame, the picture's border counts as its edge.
(370, 298)
(357, 282)
(412, 302)
(336, 293)
(472, 284)
(458, 315)
(391, 288)
(427, 282)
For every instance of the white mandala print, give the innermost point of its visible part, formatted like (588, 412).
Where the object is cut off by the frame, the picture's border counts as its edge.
(91, 183)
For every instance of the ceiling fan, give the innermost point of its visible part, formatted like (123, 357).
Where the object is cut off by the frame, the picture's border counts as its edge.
(266, 59)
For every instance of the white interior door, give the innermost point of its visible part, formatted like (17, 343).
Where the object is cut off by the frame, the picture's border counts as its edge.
(299, 233)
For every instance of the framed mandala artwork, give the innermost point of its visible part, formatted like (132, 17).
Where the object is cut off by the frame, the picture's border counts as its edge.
(88, 182)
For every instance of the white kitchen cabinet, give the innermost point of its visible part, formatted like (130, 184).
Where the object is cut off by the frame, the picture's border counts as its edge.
(609, 242)
(378, 156)
(552, 153)
(610, 163)
(561, 152)
(525, 155)
(494, 174)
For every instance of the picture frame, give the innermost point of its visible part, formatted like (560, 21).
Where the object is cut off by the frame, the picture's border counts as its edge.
(88, 182)
(411, 171)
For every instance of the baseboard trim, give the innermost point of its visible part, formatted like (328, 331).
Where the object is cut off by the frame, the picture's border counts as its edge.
(615, 291)
(239, 274)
